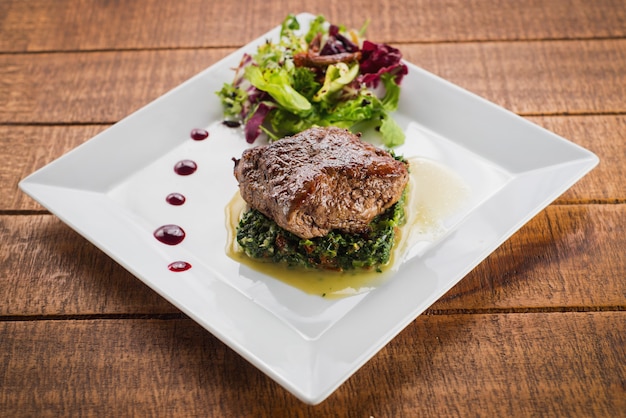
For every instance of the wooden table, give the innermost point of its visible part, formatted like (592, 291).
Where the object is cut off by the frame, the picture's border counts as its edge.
(537, 329)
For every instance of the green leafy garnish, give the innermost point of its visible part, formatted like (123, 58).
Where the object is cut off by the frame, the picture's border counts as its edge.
(323, 76)
(260, 238)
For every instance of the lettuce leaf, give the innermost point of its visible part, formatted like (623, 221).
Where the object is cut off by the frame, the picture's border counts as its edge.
(277, 83)
(391, 132)
(392, 92)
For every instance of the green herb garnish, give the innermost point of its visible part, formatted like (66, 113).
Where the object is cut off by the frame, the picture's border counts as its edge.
(260, 238)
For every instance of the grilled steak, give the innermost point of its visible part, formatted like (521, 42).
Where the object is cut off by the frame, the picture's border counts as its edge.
(319, 180)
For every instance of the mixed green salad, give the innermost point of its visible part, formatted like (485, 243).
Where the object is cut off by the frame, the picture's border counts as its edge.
(323, 76)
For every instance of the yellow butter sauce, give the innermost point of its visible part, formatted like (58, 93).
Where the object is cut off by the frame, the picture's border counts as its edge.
(434, 193)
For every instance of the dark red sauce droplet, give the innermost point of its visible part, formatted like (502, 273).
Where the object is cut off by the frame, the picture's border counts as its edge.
(185, 167)
(175, 199)
(199, 134)
(231, 123)
(170, 234)
(178, 266)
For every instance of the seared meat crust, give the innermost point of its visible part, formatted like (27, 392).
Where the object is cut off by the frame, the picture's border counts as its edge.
(319, 180)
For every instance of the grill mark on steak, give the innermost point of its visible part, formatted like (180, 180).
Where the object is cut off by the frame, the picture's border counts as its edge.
(319, 180)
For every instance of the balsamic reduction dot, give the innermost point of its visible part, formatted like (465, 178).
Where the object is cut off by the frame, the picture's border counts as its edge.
(178, 266)
(199, 134)
(185, 167)
(175, 199)
(170, 234)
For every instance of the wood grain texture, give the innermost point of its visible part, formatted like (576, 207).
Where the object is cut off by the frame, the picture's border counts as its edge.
(606, 137)
(48, 269)
(560, 77)
(570, 364)
(526, 77)
(93, 87)
(70, 25)
(26, 149)
(537, 329)
(567, 257)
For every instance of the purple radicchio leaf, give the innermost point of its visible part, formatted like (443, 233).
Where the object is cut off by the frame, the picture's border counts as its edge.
(254, 96)
(337, 43)
(378, 59)
(246, 60)
(253, 125)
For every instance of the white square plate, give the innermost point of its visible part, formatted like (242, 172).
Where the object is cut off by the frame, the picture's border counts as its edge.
(111, 190)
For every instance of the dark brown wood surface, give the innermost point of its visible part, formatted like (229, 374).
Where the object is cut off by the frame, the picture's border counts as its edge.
(537, 329)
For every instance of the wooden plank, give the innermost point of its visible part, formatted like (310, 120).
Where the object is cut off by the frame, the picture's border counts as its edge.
(533, 78)
(605, 136)
(566, 257)
(85, 25)
(92, 87)
(526, 77)
(48, 269)
(570, 364)
(28, 148)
